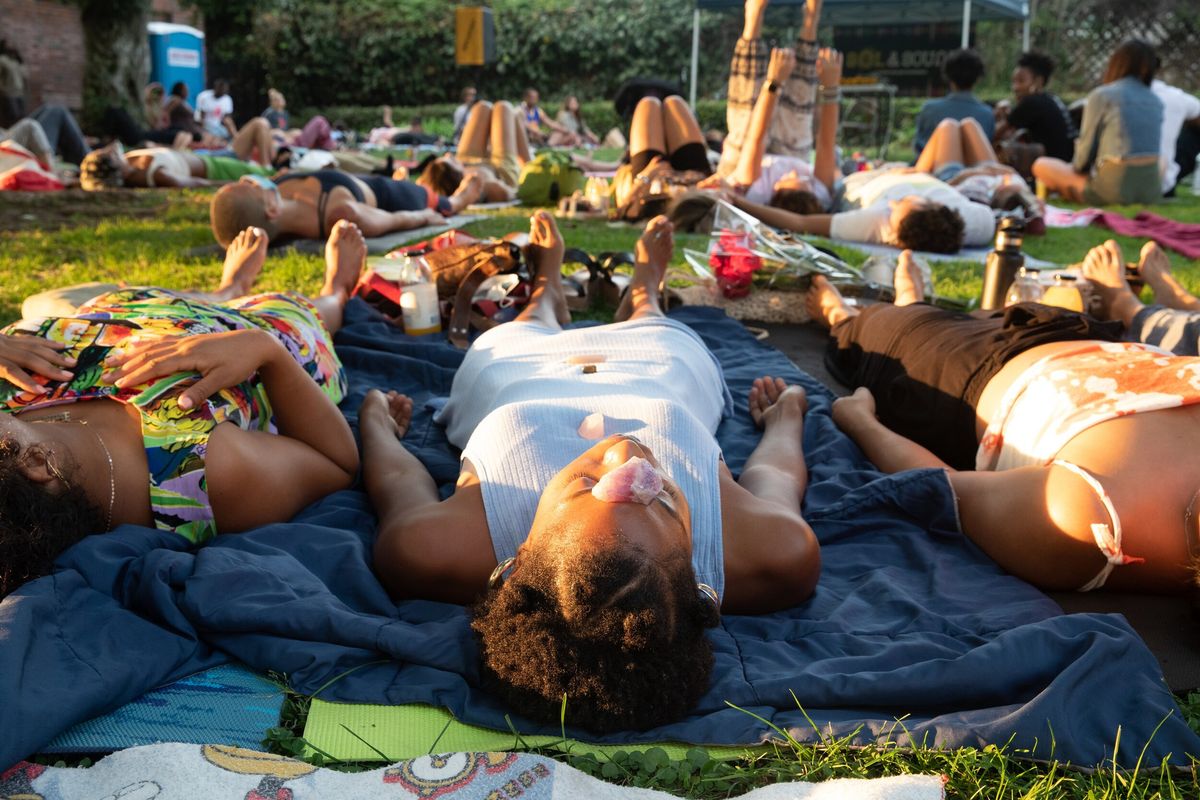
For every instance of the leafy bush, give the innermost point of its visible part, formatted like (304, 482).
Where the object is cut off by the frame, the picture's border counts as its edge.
(378, 51)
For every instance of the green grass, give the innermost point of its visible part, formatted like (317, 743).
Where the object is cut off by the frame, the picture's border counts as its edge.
(142, 237)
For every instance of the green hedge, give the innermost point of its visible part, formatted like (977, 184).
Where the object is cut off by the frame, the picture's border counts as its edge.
(438, 117)
(323, 55)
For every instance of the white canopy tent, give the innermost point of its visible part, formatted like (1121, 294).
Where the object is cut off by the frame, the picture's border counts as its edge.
(882, 12)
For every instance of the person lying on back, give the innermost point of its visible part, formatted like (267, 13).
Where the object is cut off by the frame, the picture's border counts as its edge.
(306, 205)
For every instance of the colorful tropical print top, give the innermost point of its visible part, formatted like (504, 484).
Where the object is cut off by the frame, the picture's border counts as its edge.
(176, 440)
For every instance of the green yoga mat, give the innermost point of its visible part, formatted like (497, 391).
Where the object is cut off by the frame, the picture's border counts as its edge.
(353, 732)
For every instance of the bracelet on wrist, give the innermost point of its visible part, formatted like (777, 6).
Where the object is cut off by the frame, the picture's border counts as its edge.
(772, 87)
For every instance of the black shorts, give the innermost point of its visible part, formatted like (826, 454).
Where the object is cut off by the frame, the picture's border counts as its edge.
(927, 366)
(691, 156)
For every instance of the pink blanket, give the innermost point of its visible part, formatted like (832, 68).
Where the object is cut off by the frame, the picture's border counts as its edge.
(1182, 237)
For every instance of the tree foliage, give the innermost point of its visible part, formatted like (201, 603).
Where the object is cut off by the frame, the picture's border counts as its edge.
(117, 54)
(380, 51)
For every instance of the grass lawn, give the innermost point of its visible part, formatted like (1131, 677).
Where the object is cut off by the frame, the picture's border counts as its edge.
(141, 237)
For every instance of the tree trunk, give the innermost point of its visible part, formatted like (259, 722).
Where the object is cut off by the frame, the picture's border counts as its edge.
(117, 56)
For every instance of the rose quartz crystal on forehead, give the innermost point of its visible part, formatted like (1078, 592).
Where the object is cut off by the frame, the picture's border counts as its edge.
(635, 481)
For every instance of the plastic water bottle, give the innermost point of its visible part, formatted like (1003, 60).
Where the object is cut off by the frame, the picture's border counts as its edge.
(418, 298)
(1026, 287)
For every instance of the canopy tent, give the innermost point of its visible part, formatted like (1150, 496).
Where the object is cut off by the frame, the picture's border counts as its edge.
(882, 12)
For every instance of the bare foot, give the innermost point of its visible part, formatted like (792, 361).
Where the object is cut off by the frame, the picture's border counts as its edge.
(652, 254)
(1104, 266)
(825, 303)
(470, 190)
(545, 253)
(908, 280)
(345, 256)
(770, 398)
(392, 410)
(1155, 268)
(243, 262)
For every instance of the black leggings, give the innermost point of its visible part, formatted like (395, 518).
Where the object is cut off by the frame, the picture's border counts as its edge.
(927, 366)
(117, 122)
(690, 156)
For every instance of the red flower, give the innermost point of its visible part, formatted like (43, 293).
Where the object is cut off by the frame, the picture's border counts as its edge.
(734, 264)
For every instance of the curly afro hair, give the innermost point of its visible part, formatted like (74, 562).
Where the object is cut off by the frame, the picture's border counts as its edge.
(934, 229)
(798, 201)
(100, 170)
(620, 637)
(35, 523)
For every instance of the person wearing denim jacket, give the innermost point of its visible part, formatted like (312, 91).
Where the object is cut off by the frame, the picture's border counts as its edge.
(1116, 155)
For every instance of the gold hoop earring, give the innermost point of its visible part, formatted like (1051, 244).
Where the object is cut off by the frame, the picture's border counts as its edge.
(497, 577)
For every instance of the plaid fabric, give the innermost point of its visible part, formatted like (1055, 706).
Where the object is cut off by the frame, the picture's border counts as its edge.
(747, 69)
(790, 131)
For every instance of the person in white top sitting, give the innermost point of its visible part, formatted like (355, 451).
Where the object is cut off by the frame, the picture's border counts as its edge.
(1178, 107)
(214, 110)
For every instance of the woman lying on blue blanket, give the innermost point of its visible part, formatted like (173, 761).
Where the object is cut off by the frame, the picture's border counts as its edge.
(1075, 455)
(227, 402)
(593, 514)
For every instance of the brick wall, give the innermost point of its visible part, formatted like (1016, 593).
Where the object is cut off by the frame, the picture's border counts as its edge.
(49, 37)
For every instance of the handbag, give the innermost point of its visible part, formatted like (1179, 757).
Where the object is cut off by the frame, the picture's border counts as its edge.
(458, 271)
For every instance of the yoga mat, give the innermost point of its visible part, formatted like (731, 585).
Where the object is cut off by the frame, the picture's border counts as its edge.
(385, 244)
(360, 732)
(230, 705)
(978, 254)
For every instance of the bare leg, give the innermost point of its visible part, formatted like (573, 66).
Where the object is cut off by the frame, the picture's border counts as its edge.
(651, 257)
(504, 130)
(1104, 266)
(547, 304)
(944, 147)
(680, 125)
(908, 281)
(753, 18)
(345, 255)
(1156, 269)
(255, 133)
(646, 129)
(474, 140)
(243, 262)
(975, 145)
(1059, 176)
(522, 138)
(825, 303)
(776, 470)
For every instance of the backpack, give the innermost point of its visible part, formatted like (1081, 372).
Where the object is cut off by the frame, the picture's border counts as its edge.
(550, 175)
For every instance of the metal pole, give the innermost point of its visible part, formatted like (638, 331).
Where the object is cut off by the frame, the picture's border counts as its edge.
(966, 29)
(1029, 12)
(695, 54)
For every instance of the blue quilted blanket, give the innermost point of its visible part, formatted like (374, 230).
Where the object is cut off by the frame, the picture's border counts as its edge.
(912, 631)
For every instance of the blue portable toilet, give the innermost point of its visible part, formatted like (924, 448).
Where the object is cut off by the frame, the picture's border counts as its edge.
(177, 54)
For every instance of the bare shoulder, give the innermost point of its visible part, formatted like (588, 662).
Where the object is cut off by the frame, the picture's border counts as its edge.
(772, 559)
(440, 552)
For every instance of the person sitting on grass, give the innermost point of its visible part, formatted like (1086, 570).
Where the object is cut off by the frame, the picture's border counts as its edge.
(307, 205)
(1047, 424)
(962, 69)
(1116, 154)
(150, 167)
(570, 117)
(193, 413)
(594, 522)
(493, 147)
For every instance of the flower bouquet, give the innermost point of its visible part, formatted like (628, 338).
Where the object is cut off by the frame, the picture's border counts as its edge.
(744, 251)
